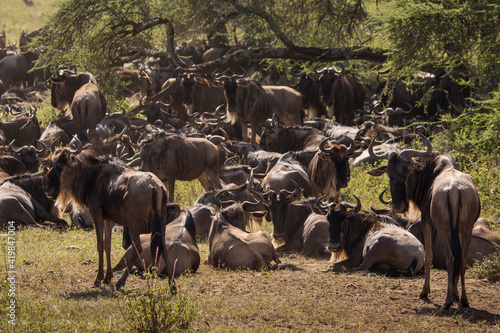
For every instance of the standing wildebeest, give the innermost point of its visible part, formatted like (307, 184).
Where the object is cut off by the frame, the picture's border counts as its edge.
(180, 241)
(113, 193)
(86, 101)
(371, 243)
(310, 89)
(329, 170)
(253, 103)
(199, 95)
(342, 95)
(447, 200)
(175, 157)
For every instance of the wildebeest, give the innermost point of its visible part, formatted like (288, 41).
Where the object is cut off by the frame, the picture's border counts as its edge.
(133, 81)
(253, 103)
(23, 199)
(80, 93)
(25, 129)
(199, 95)
(282, 139)
(175, 157)
(310, 89)
(21, 160)
(295, 226)
(290, 169)
(447, 200)
(113, 193)
(232, 248)
(180, 241)
(329, 170)
(371, 243)
(14, 69)
(341, 94)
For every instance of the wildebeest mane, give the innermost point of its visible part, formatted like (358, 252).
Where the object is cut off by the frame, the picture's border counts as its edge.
(293, 138)
(297, 211)
(355, 228)
(418, 186)
(97, 168)
(34, 185)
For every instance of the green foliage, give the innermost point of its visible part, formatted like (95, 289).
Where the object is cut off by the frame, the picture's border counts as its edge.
(157, 309)
(489, 268)
(440, 34)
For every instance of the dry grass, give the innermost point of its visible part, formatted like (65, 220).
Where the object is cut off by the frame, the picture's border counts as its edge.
(55, 294)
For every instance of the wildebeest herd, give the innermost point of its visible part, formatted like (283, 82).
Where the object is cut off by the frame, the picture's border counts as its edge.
(291, 166)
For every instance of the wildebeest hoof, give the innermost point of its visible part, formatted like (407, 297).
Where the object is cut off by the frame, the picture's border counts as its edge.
(97, 284)
(328, 270)
(118, 286)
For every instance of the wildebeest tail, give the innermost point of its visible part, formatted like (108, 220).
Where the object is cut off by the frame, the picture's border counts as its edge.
(456, 247)
(158, 227)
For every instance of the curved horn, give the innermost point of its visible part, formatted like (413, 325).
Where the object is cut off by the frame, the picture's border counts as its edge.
(226, 162)
(73, 69)
(322, 205)
(410, 108)
(33, 111)
(315, 69)
(141, 102)
(122, 133)
(78, 145)
(322, 145)
(11, 147)
(372, 153)
(260, 199)
(158, 123)
(294, 73)
(286, 192)
(219, 201)
(381, 197)
(356, 208)
(40, 151)
(408, 153)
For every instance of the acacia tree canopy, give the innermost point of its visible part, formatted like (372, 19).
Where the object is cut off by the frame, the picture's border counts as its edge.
(99, 35)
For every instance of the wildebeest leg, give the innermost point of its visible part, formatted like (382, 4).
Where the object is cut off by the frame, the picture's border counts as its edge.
(254, 126)
(427, 231)
(99, 233)
(108, 229)
(465, 240)
(244, 131)
(170, 185)
(205, 182)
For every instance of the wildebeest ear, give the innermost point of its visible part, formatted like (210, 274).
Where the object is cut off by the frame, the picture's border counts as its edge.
(259, 213)
(377, 172)
(417, 165)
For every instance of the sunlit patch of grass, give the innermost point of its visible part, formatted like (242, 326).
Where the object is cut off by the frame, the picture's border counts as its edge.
(489, 268)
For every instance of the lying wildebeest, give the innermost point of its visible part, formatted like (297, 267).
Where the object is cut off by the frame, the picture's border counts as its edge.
(447, 200)
(291, 167)
(484, 241)
(22, 199)
(371, 243)
(296, 225)
(20, 160)
(232, 248)
(175, 157)
(113, 193)
(180, 241)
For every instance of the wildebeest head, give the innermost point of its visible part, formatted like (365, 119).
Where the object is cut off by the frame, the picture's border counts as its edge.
(60, 160)
(399, 167)
(336, 159)
(240, 214)
(28, 155)
(326, 79)
(305, 85)
(230, 84)
(336, 214)
(65, 84)
(278, 204)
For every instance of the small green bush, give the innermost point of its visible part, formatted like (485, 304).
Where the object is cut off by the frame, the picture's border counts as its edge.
(489, 268)
(158, 309)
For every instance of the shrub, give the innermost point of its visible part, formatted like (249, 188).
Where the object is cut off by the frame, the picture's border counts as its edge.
(158, 309)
